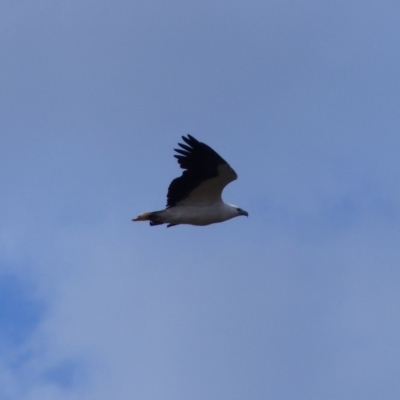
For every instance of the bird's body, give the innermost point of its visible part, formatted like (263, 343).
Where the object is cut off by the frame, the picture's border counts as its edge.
(192, 215)
(194, 198)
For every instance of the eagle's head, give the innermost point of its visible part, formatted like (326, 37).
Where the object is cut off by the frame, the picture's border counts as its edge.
(241, 212)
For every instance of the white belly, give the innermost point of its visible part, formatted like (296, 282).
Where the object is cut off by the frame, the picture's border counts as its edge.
(198, 215)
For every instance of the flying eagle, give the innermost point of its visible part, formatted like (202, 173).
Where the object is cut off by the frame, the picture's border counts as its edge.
(195, 197)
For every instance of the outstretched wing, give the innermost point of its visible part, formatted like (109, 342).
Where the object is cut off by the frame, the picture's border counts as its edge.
(205, 176)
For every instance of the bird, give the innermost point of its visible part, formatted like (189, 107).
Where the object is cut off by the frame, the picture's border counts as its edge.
(194, 198)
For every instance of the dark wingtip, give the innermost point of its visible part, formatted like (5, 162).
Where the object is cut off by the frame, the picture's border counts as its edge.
(190, 139)
(183, 152)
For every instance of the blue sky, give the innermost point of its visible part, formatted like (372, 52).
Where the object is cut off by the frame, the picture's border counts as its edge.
(300, 300)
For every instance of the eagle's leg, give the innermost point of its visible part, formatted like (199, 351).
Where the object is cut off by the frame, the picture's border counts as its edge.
(154, 223)
(156, 218)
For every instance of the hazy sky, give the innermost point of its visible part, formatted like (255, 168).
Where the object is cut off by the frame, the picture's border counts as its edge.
(299, 301)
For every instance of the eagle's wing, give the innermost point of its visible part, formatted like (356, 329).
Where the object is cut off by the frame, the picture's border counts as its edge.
(205, 176)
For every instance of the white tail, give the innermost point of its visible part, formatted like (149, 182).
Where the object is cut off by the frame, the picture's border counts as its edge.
(143, 217)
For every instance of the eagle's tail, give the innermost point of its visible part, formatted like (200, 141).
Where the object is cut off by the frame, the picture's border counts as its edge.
(155, 217)
(143, 217)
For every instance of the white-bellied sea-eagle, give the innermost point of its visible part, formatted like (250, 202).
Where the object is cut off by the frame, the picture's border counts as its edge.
(195, 197)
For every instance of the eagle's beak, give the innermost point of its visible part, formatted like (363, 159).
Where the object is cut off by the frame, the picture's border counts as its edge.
(242, 212)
